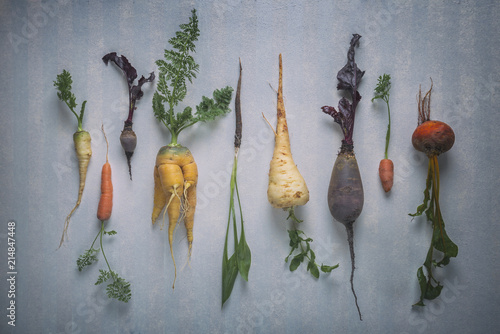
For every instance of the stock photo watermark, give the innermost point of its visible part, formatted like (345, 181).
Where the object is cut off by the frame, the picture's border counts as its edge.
(11, 272)
(33, 23)
(422, 316)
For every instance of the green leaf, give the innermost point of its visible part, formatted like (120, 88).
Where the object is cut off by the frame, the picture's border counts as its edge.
(383, 87)
(103, 277)
(119, 288)
(229, 273)
(244, 257)
(312, 256)
(63, 85)
(313, 268)
(209, 109)
(110, 232)
(89, 257)
(328, 269)
(443, 243)
(294, 238)
(295, 263)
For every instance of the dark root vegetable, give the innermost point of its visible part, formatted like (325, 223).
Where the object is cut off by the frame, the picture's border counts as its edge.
(128, 139)
(345, 193)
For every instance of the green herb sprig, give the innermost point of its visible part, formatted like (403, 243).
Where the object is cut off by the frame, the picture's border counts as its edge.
(382, 92)
(299, 241)
(119, 288)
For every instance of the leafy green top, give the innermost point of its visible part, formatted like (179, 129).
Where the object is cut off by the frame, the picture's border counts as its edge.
(175, 69)
(63, 85)
(382, 92)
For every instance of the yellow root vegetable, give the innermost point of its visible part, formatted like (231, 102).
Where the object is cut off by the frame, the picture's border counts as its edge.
(81, 138)
(83, 153)
(175, 172)
(176, 176)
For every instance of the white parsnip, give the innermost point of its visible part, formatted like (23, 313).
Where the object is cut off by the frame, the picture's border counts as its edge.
(287, 187)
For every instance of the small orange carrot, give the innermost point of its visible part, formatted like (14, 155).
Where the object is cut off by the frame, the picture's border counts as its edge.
(106, 201)
(386, 173)
(386, 167)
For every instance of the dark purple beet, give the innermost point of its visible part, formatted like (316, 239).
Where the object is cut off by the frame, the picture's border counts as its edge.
(346, 198)
(128, 139)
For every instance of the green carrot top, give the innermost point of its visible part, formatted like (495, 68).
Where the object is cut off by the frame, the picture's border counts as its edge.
(178, 67)
(382, 92)
(63, 84)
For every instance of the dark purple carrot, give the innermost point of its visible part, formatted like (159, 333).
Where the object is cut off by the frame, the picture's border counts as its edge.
(128, 139)
(345, 193)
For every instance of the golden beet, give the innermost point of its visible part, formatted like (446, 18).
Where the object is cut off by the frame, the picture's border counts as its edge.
(433, 137)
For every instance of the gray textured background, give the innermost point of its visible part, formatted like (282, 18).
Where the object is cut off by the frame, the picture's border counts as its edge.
(454, 42)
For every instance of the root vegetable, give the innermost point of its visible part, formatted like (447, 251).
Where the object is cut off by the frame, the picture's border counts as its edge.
(345, 192)
(175, 172)
(240, 260)
(386, 167)
(119, 288)
(128, 138)
(386, 174)
(287, 189)
(432, 138)
(81, 139)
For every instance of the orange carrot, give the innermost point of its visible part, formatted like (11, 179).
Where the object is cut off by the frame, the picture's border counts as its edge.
(386, 173)
(106, 201)
(386, 167)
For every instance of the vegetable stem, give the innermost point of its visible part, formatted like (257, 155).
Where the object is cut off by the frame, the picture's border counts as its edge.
(388, 135)
(102, 248)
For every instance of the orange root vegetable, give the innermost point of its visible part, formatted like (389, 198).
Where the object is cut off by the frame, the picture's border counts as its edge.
(176, 176)
(386, 167)
(106, 202)
(119, 288)
(386, 173)
(432, 138)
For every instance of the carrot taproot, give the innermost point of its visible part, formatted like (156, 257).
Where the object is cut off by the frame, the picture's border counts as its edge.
(119, 288)
(175, 189)
(386, 166)
(81, 139)
(190, 172)
(106, 202)
(386, 173)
